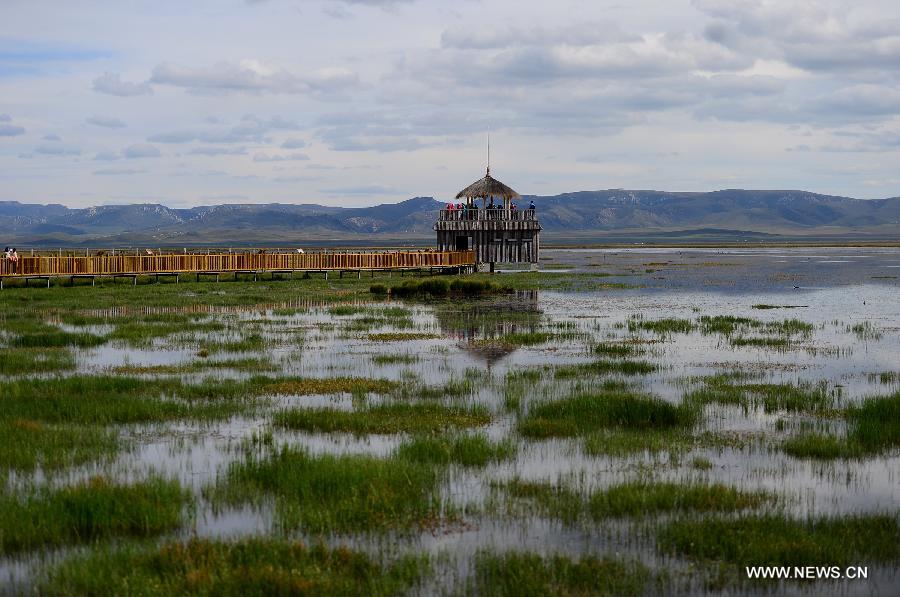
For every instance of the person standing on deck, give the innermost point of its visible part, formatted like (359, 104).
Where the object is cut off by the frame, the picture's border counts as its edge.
(14, 259)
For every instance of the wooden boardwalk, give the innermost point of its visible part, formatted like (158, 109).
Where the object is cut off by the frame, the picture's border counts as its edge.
(47, 267)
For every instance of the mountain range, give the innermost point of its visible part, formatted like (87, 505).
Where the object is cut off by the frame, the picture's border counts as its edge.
(614, 215)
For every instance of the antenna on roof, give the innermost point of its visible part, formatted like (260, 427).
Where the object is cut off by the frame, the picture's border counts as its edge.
(489, 154)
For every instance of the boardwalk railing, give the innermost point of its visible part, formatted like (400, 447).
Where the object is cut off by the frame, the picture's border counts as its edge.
(502, 214)
(115, 265)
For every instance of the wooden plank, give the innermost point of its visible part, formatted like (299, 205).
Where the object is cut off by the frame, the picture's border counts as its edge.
(109, 265)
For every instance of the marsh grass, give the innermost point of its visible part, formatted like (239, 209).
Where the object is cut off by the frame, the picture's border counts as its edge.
(662, 327)
(395, 359)
(515, 340)
(26, 445)
(246, 364)
(142, 332)
(873, 427)
(104, 399)
(384, 418)
(603, 367)
(864, 331)
(624, 442)
(761, 341)
(56, 339)
(327, 493)
(728, 325)
(885, 377)
(733, 389)
(466, 450)
(781, 541)
(635, 499)
(612, 407)
(247, 567)
(522, 574)
(820, 446)
(247, 343)
(640, 499)
(551, 500)
(305, 386)
(617, 350)
(401, 336)
(94, 510)
(21, 361)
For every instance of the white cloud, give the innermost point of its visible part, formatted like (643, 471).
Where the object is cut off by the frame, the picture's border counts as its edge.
(11, 130)
(56, 149)
(141, 150)
(117, 171)
(112, 84)
(265, 157)
(105, 121)
(251, 76)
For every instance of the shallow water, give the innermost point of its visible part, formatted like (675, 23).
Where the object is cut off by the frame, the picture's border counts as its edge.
(833, 289)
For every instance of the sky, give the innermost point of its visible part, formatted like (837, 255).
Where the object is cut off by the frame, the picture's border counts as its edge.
(360, 102)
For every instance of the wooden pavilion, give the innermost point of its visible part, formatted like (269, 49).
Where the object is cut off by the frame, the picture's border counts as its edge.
(497, 232)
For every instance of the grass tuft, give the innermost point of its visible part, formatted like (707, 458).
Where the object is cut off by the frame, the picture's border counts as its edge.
(326, 493)
(232, 569)
(94, 510)
(384, 418)
(466, 450)
(522, 574)
(612, 407)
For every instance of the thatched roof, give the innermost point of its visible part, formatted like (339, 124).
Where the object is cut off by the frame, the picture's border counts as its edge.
(487, 187)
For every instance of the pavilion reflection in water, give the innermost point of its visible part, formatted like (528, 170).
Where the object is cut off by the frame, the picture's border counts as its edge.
(481, 325)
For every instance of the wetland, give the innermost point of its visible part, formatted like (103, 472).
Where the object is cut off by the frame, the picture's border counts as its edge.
(621, 422)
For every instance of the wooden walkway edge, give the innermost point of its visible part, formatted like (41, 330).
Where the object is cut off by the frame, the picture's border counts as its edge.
(176, 264)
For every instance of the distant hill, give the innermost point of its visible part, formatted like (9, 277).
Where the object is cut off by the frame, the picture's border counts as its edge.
(586, 215)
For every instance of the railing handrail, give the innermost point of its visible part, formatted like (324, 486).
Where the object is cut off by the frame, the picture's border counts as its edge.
(500, 213)
(104, 265)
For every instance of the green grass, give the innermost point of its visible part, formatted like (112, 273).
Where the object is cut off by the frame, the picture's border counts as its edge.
(440, 287)
(728, 325)
(394, 359)
(873, 427)
(27, 445)
(781, 541)
(102, 400)
(603, 367)
(554, 501)
(88, 512)
(729, 389)
(244, 568)
(246, 364)
(663, 327)
(466, 450)
(384, 418)
(624, 442)
(875, 424)
(401, 336)
(57, 339)
(865, 331)
(143, 332)
(522, 574)
(20, 361)
(639, 499)
(885, 377)
(761, 341)
(611, 407)
(820, 446)
(617, 350)
(326, 493)
(305, 386)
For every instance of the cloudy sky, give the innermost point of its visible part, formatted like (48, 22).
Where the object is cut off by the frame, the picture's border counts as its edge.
(357, 102)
